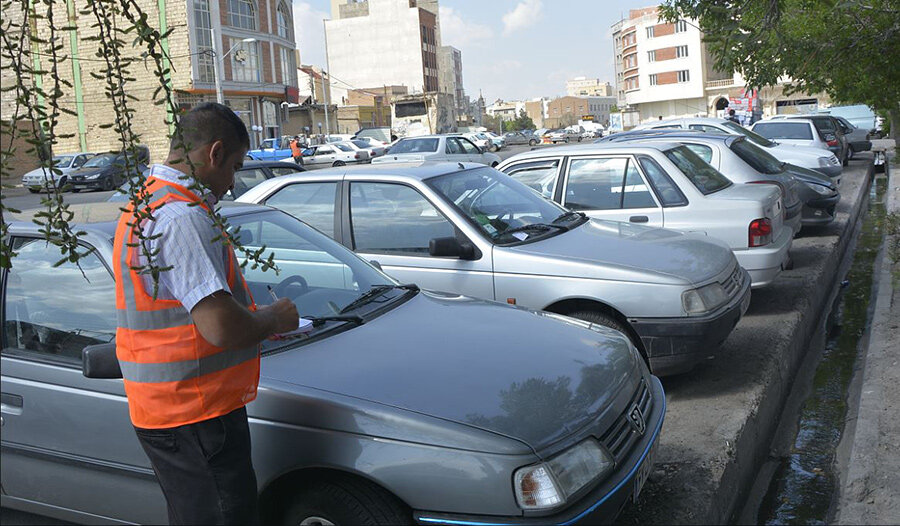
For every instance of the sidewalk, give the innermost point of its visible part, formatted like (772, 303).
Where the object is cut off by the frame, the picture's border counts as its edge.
(870, 481)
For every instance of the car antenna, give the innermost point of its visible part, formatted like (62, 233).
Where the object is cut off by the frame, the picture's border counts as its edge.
(461, 167)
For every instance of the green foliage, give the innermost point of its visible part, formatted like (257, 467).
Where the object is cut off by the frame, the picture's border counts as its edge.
(125, 40)
(521, 122)
(892, 227)
(846, 48)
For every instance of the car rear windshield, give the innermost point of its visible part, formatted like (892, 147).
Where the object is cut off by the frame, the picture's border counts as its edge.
(784, 130)
(415, 146)
(824, 124)
(757, 158)
(706, 178)
(755, 137)
(343, 147)
(361, 144)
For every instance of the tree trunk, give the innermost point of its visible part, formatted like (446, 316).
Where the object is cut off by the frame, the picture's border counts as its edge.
(894, 115)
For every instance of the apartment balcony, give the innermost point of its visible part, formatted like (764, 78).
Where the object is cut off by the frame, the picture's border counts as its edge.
(719, 84)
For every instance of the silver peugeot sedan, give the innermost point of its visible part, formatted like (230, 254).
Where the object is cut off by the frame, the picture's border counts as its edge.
(472, 230)
(663, 184)
(415, 406)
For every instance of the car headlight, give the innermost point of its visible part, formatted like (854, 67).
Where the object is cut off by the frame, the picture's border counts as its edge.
(820, 189)
(92, 177)
(704, 299)
(550, 483)
(824, 161)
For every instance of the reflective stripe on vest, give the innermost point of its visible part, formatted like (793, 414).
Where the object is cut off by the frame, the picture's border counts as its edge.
(172, 375)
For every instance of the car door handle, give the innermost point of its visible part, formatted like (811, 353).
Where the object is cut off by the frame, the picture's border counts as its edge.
(639, 219)
(11, 403)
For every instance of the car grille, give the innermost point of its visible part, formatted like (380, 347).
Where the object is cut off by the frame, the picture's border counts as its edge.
(620, 438)
(733, 283)
(833, 161)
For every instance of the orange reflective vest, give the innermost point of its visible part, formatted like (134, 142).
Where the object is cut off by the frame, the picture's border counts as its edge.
(173, 376)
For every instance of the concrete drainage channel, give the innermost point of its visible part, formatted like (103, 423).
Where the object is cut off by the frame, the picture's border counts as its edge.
(722, 417)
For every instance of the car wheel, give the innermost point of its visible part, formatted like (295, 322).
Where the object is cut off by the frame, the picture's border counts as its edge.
(339, 163)
(344, 501)
(567, 140)
(494, 147)
(579, 139)
(108, 184)
(532, 142)
(33, 190)
(63, 181)
(846, 160)
(601, 318)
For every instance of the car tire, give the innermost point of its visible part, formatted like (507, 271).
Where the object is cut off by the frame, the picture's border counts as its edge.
(601, 318)
(63, 181)
(532, 142)
(579, 139)
(343, 500)
(494, 147)
(32, 190)
(76, 190)
(339, 163)
(567, 140)
(846, 160)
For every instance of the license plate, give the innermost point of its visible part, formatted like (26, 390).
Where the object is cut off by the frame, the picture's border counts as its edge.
(644, 472)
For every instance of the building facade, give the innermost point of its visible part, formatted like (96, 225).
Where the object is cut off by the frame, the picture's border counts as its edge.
(382, 42)
(584, 87)
(257, 75)
(567, 111)
(451, 78)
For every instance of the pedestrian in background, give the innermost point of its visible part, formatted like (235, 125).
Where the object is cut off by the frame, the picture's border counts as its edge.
(296, 149)
(732, 117)
(190, 354)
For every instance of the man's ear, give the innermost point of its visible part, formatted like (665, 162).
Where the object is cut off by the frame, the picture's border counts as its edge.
(217, 154)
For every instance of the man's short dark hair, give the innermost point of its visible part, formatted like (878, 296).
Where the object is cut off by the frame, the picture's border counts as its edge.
(207, 123)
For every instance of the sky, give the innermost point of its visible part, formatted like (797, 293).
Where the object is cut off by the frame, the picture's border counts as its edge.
(511, 49)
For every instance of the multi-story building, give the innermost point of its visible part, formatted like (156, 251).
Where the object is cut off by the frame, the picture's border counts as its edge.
(665, 70)
(585, 87)
(537, 110)
(254, 59)
(450, 78)
(568, 110)
(382, 42)
(505, 110)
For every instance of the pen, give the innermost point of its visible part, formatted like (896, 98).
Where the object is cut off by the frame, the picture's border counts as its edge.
(272, 293)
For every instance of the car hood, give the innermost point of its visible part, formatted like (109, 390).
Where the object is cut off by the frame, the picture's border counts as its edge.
(402, 157)
(90, 171)
(624, 251)
(507, 370)
(782, 151)
(37, 172)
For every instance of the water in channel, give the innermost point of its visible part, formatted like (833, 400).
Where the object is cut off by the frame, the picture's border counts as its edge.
(804, 485)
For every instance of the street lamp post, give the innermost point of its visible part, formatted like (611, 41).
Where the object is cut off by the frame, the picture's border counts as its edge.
(220, 60)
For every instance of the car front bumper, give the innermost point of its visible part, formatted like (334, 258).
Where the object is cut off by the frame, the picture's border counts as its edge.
(830, 170)
(820, 211)
(675, 345)
(599, 506)
(86, 184)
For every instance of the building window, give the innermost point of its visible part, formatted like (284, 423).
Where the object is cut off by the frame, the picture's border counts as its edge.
(651, 56)
(684, 75)
(681, 51)
(244, 60)
(653, 79)
(650, 32)
(284, 21)
(288, 68)
(202, 33)
(680, 26)
(242, 14)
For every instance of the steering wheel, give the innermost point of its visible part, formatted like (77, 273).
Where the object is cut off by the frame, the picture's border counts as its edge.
(281, 289)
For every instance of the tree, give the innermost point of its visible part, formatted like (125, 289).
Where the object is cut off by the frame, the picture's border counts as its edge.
(846, 48)
(521, 122)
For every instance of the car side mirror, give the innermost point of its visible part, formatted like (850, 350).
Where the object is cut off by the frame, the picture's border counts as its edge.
(376, 264)
(99, 361)
(451, 247)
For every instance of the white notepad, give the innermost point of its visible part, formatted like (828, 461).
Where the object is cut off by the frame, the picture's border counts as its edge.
(304, 327)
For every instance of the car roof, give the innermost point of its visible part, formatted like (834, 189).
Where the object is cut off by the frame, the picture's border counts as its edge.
(102, 217)
(672, 133)
(433, 136)
(580, 149)
(420, 170)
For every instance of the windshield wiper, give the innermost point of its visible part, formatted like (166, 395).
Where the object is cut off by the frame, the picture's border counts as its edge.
(570, 213)
(318, 321)
(533, 226)
(373, 293)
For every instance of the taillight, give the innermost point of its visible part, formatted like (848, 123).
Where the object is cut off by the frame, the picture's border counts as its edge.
(831, 140)
(357, 156)
(760, 232)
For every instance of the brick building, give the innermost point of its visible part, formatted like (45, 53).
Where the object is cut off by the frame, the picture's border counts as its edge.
(256, 76)
(566, 111)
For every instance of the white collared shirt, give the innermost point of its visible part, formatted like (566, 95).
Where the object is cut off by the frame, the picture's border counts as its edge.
(198, 263)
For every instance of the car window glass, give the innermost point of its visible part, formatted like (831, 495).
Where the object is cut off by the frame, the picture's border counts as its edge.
(708, 129)
(344, 147)
(596, 184)
(310, 202)
(283, 170)
(635, 192)
(394, 218)
(668, 127)
(57, 311)
(453, 147)
(245, 180)
(666, 190)
(757, 158)
(704, 152)
(468, 147)
(324, 151)
(825, 125)
(415, 146)
(784, 130)
(540, 176)
(703, 176)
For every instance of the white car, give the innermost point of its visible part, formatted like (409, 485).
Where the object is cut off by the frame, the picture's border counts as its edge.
(331, 154)
(663, 184)
(454, 148)
(36, 179)
(377, 147)
(804, 156)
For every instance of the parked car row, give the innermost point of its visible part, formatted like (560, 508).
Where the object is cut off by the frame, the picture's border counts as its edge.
(88, 171)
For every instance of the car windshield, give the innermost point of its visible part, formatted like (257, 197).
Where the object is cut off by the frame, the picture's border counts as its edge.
(755, 137)
(63, 161)
(785, 130)
(361, 144)
(318, 274)
(343, 147)
(706, 178)
(757, 158)
(101, 160)
(415, 146)
(505, 210)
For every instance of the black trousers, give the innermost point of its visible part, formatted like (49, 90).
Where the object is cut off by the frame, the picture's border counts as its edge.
(205, 470)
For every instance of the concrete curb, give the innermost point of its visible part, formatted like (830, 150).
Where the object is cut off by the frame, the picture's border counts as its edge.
(870, 481)
(723, 416)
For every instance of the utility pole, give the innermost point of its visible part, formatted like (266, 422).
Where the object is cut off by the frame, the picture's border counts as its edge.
(328, 67)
